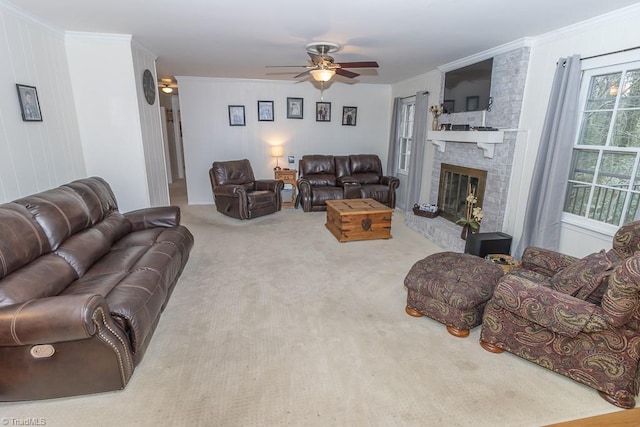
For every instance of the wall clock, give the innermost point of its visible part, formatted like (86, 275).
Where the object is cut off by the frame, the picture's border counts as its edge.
(149, 87)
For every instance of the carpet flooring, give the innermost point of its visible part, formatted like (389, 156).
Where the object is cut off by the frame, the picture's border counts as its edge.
(276, 323)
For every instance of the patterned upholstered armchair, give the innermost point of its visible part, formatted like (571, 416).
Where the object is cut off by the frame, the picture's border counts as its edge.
(577, 317)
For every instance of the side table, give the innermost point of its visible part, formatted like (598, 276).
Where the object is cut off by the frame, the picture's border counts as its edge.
(288, 176)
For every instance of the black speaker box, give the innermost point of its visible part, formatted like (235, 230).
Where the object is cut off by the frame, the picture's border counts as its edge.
(483, 244)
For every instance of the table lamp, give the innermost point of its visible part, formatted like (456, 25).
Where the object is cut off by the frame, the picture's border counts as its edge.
(277, 151)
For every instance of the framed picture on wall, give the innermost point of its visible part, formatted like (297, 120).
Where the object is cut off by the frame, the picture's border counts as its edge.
(29, 104)
(294, 108)
(349, 115)
(323, 111)
(236, 115)
(265, 111)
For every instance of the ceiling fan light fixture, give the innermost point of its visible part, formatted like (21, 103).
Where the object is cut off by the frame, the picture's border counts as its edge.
(322, 74)
(166, 89)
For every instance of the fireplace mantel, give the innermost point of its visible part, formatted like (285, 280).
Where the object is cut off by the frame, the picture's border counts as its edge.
(484, 139)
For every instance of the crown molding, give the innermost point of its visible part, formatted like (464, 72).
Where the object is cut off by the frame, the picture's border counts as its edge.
(486, 54)
(21, 14)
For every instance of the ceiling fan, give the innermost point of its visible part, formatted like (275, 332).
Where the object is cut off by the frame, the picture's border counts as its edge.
(167, 85)
(322, 66)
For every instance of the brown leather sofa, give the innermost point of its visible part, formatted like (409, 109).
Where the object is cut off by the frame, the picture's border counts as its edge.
(82, 288)
(238, 194)
(326, 177)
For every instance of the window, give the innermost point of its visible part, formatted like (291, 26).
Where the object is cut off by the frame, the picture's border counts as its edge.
(604, 180)
(405, 134)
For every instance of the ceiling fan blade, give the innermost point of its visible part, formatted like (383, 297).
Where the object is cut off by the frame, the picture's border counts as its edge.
(305, 73)
(361, 64)
(346, 73)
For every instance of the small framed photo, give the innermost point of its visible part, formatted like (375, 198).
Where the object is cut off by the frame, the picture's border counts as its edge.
(473, 103)
(236, 115)
(349, 115)
(265, 111)
(29, 103)
(323, 111)
(294, 108)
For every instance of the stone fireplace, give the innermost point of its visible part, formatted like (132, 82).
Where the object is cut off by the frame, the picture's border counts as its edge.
(507, 88)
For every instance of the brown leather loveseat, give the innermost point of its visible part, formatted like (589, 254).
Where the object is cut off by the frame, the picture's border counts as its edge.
(357, 176)
(82, 288)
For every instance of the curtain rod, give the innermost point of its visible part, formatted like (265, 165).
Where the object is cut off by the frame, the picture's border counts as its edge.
(610, 53)
(426, 92)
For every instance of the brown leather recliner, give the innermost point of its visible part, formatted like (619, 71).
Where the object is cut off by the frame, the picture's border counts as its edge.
(326, 177)
(238, 194)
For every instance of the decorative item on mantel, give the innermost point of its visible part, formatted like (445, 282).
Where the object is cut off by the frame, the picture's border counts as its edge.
(437, 111)
(471, 222)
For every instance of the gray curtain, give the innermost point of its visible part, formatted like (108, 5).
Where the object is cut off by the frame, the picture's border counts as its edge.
(419, 137)
(392, 155)
(551, 171)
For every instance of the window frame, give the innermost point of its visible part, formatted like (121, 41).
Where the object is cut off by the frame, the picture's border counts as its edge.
(405, 135)
(590, 68)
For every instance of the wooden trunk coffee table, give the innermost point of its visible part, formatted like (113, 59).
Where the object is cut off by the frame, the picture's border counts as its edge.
(358, 219)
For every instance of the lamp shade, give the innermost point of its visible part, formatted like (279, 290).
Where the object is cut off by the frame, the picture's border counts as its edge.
(166, 89)
(322, 74)
(277, 151)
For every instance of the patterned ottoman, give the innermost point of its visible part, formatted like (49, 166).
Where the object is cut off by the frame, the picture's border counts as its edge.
(451, 288)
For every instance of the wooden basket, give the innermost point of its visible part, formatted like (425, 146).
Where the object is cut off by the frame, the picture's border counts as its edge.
(505, 261)
(418, 212)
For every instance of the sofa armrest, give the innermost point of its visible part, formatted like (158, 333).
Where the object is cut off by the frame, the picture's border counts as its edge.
(50, 320)
(391, 181)
(545, 261)
(161, 216)
(558, 312)
(346, 180)
(269, 185)
(229, 190)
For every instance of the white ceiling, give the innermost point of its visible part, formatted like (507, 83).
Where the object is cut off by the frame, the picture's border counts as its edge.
(239, 38)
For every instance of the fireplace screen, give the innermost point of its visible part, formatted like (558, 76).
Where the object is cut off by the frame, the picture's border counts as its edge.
(455, 183)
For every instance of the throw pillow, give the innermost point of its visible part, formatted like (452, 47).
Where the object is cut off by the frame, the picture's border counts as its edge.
(583, 277)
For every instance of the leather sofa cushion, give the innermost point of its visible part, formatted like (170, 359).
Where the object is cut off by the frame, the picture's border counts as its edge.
(365, 163)
(377, 192)
(83, 249)
(368, 178)
(322, 194)
(234, 172)
(21, 239)
(60, 212)
(318, 164)
(96, 195)
(135, 278)
(321, 180)
(44, 277)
